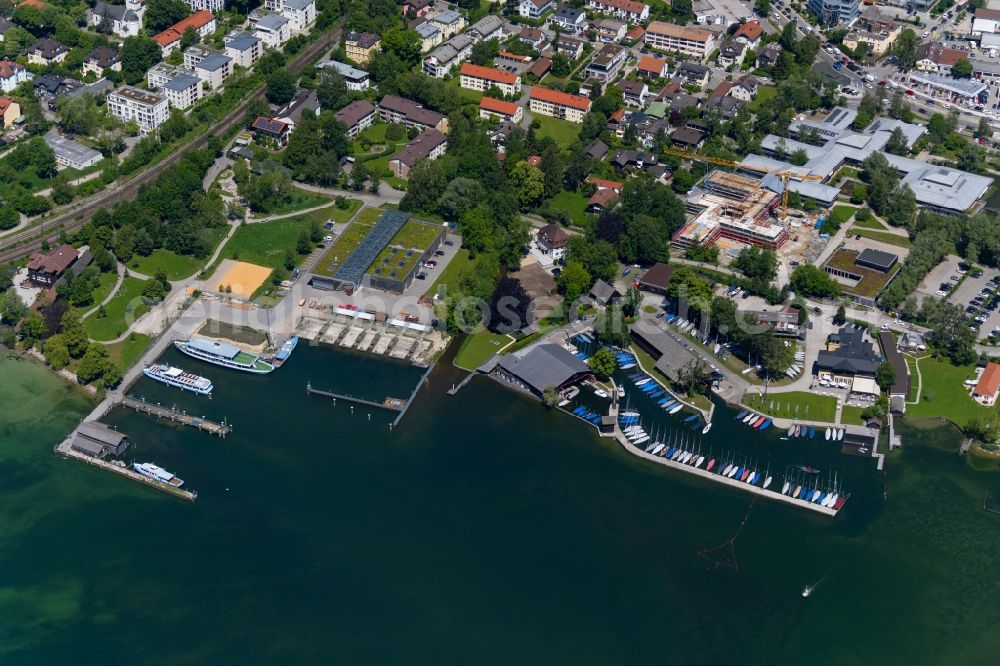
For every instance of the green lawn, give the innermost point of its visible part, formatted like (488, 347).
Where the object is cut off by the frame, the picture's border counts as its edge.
(884, 237)
(328, 214)
(841, 214)
(176, 266)
(348, 241)
(563, 131)
(575, 205)
(478, 347)
(850, 415)
(811, 407)
(451, 273)
(128, 351)
(299, 200)
(944, 394)
(266, 243)
(765, 95)
(870, 223)
(123, 309)
(468, 96)
(107, 283)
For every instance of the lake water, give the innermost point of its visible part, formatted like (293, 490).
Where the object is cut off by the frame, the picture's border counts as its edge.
(485, 530)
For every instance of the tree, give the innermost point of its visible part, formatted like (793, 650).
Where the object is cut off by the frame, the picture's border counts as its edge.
(897, 142)
(632, 302)
(33, 325)
(573, 281)
(529, 183)
(603, 363)
(138, 55)
(552, 167)
(404, 44)
(799, 157)
(56, 352)
(984, 129)
(161, 14)
(79, 115)
(561, 65)
(808, 280)
(757, 264)
(905, 49)
(962, 69)
(302, 244)
(762, 7)
(902, 207)
(74, 334)
(885, 375)
(332, 92)
(550, 396)
(13, 308)
(695, 378)
(971, 159)
(484, 52)
(359, 175)
(840, 318)
(510, 307)
(281, 87)
(8, 218)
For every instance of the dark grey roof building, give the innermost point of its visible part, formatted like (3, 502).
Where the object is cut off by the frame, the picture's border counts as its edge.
(541, 366)
(98, 440)
(850, 354)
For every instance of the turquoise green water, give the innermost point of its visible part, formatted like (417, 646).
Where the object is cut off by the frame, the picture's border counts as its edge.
(486, 530)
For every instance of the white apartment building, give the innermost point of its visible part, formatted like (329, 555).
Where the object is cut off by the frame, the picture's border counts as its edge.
(273, 29)
(181, 86)
(558, 104)
(208, 5)
(679, 39)
(148, 109)
(210, 67)
(243, 47)
(302, 13)
(475, 77)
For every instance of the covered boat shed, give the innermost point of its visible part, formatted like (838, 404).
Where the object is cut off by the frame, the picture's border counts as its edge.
(98, 440)
(541, 366)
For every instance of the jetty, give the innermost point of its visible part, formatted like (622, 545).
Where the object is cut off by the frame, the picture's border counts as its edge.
(174, 415)
(392, 404)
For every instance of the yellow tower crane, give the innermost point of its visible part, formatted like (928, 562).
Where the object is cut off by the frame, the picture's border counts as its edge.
(785, 175)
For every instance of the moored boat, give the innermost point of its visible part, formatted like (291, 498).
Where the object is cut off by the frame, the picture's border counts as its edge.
(828, 433)
(710, 465)
(151, 471)
(285, 351)
(224, 354)
(676, 408)
(171, 376)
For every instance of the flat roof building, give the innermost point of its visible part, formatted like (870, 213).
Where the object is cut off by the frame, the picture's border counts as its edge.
(71, 154)
(541, 366)
(147, 109)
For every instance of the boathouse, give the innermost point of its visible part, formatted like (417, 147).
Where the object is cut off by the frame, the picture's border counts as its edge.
(890, 350)
(98, 440)
(541, 366)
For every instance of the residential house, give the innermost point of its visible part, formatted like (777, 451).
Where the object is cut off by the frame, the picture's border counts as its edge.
(430, 36)
(181, 86)
(607, 63)
(45, 270)
(686, 138)
(271, 129)
(9, 111)
(695, 42)
(273, 29)
(300, 13)
(210, 67)
(569, 20)
(5, 25)
(937, 58)
(47, 51)
(637, 159)
(849, 361)
(490, 107)
(243, 48)
(100, 59)
(608, 30)
(694, 74)
(486, 28)
(540, 68)
(988, 386)
(450, 54)
(603, 294)
(449, 22)
(552, 240)
(393, 109)
(731, 54)
(12, 75)
(476, 77)
(635, 92)
(596, 149)
(354, 78)
(749, 33)
(656, 279)
(147, 109)
(726, 105)
(428, 145)
(416, 8)
(784, 323)
(626, 10)
(534, 9)
(635, 35)
(570, 47)
(359, 46)
(558, 104)
(202, 22)
(118, 19)
(769, 55)
(651, 67)
(533, 37)
(357, 117)
(49, 87)
(746, 88)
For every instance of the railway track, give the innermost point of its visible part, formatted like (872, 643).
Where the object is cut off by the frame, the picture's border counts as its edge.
(24, 243)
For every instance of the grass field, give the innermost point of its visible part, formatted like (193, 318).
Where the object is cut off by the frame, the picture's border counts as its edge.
(575, 205)
(128, 351)
(870, 223)
(850, 415)
(795, 404)
(884, 237)
(176, 266)
(328, 214)
(448, 278)
(108, 281)
(478, 347)
(765, 95)
(299, 200)
(563, 131)
(266, 243)
(841, 214)
(121, 310)
(943, 393)
(468, 96)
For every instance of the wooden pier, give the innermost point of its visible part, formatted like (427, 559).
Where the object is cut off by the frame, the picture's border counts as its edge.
(65, 450)
(392, 404)
(174, 415)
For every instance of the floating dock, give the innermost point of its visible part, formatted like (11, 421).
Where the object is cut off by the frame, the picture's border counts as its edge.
(392, 404)
(175, 416)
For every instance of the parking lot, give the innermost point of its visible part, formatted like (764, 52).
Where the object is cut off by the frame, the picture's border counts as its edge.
(980, 299)
(938, 276)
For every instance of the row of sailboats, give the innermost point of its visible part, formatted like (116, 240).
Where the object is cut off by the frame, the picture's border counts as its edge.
(804, 484)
